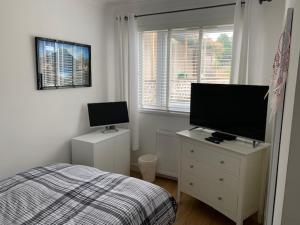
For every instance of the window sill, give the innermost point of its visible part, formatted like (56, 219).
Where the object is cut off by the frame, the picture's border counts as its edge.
(165, 113)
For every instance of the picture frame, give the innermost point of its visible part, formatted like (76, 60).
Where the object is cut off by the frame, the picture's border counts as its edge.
(62, 64)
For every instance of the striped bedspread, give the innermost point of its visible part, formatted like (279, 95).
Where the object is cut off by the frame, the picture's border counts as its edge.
(80, 195)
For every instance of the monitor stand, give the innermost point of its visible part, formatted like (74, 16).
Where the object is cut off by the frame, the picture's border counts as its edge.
(223, 136)
(110, 129)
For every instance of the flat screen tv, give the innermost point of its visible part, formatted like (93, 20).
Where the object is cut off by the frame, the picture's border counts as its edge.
(239, 110)
(107, 113)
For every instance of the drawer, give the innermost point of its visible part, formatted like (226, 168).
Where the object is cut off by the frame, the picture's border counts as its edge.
(209, 173)
(222, 199)
(210, 155)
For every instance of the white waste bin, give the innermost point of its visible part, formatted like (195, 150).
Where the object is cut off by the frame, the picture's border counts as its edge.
(147, 165)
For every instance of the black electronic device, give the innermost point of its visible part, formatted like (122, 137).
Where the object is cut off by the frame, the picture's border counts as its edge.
(231, 110)
(108, 114)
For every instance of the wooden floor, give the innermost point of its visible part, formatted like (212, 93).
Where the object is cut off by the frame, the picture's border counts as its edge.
(192, 211)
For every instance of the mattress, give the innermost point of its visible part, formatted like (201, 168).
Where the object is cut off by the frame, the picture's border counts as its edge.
(74, 194)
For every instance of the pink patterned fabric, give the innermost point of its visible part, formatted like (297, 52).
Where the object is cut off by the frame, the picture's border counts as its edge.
(280, 72)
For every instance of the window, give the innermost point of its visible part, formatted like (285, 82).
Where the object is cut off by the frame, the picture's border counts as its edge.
(170, 60)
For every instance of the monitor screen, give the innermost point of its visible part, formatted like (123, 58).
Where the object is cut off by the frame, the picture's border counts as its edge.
(239, 110)
(108, 113)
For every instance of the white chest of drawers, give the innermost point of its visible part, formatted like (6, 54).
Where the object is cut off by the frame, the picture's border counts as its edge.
(226, 176)
(105, 151)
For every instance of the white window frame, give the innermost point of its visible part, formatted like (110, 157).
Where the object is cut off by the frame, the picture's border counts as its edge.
(168, 111)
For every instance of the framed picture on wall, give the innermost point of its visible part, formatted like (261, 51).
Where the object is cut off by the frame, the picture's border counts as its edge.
(62, 64)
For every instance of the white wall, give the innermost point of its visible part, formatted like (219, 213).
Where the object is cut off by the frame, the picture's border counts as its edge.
(36, 126)
(150, 123)
(287, 190)
(290, 213)
(273, 14)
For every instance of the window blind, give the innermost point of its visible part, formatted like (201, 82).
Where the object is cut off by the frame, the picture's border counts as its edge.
(153, 69)
(184, 67)
(216, 55)
(170, 60)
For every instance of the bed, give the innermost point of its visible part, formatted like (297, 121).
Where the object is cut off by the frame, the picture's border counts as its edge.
(81, 195)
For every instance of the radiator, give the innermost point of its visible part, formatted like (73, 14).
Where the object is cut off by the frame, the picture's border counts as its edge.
(167, 150)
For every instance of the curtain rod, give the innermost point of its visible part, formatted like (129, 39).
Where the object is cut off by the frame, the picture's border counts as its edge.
(192, 9)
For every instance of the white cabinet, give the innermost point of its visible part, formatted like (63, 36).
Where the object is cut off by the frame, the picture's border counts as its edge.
(105, 151)
(226, 176)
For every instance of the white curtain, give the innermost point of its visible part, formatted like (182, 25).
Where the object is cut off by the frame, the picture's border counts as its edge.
(248, 42)
(127, 71)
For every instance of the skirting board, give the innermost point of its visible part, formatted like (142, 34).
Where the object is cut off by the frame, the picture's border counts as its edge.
(134, 167)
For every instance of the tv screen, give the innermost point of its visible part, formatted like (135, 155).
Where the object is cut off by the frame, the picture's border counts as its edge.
(108, 113)
(239, 110)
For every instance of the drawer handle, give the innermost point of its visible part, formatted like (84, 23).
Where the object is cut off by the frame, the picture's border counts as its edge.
(221, 179)
(191, 166)
(220, 198)
(191, 184)
(192, 151)
(222, 162)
